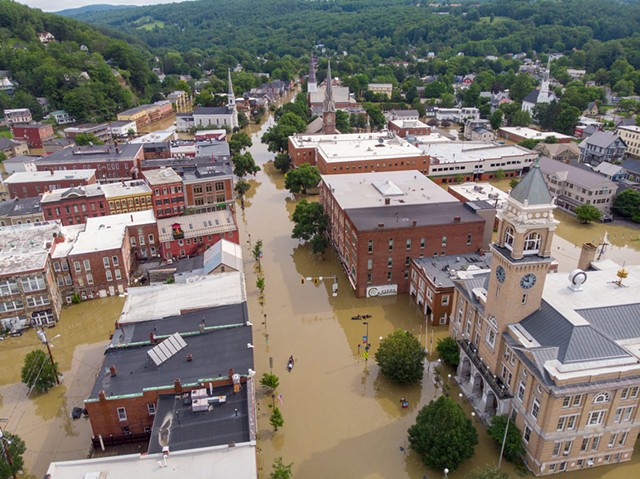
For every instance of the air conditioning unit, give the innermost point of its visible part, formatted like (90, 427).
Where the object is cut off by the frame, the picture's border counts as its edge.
(565, 453)
(589, 463)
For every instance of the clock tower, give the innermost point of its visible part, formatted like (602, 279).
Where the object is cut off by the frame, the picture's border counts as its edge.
(521, 256)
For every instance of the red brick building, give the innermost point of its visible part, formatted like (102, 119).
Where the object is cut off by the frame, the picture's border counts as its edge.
(34, 183)
(209, 188)
(404, 128)
(378, 222)
(357, 153)
(190, 235)
(111, 162)
(72, 206)
(35, 134)
(167, 192)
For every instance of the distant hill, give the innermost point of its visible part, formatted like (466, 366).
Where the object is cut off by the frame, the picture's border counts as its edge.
(74, 12)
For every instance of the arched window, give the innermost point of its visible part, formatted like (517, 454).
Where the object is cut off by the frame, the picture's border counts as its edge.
(508, 237)
(601, 398)
(532, 243)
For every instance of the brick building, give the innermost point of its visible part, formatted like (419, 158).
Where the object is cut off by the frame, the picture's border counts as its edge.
(378, 222)
(192, 234)
(404, 128)
(35, 134)
(517, 134)
(111, 162)
(102, 131)
(28, 290)
(72, 206)
(167, 192)
(34, 183)
(209, 187)
(357, 153)
(127, 196)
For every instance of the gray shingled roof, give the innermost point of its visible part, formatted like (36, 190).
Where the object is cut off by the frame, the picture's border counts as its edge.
(631, 165)
(602, 139)
(532, 188)
(574, 174)
(617, 322)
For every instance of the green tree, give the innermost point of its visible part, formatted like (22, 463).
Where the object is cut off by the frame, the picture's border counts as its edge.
(448, 351)
(38, 372)
(282, 161)
(280, 469)
(260, 284)
(84, 139)
(443, 418)
(496, 119)
(277, 136)
(302, 178)
(488, 472)
(342, 121)
(14, 447)
(310, 224)
(513, 183)
(244, 164)
(588, 213)
(520, 88)
(376, 117)
(270, 381)
(256, 251)
(239, 142)
(529, 143)
(500, 174)
(521, 118)
(241, 188)
(401, 357)
(276, 419)
(627, 204)
(567, 120)
(513, 448)
(2, 156)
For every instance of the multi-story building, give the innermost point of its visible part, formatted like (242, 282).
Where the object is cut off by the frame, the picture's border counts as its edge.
(557, 354)
(20, 164)
(127, 196)
(17, 115)
(565, 152)
(61, 117)
(28, 292)
(405, 128)
(181, 101)
(211, 116)
(72, 206)
(602, 146)
(573, 186)
(631, 137)
(18, 211)
(122, 128)
(357, 153)
(517, 134)
(144, 115)
(102, 131)
(167, 192)
(34, 134)
(378, 222)
(455, 161)
(34, 183)
(111, 162)
(209, 188)
(478, 130)
(12, 148)
(190, 235)
(385, 89)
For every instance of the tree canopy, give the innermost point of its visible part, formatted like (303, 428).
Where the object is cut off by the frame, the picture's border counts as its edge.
(627, 205)
(310, 224)
(244, 164)
(588, 213)
(302, 178)
(513, 448)
(38, 372)
(401, 357)
(15, 447)
(443, 436)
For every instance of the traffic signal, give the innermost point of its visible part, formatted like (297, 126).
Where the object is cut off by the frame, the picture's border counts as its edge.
(301, 280)
(315, 280)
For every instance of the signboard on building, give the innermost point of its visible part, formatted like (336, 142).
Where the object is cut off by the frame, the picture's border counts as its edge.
(383, 290)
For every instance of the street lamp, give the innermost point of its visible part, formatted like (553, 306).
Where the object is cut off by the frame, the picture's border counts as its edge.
(446, 473)
(43, 338)
(504, 440)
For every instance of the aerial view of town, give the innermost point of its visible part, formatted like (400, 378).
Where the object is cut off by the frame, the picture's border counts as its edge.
(310, 239)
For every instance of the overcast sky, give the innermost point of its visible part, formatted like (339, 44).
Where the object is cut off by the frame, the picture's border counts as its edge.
(49, 6)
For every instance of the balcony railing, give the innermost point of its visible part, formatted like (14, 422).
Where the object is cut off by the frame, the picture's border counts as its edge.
(495, 382)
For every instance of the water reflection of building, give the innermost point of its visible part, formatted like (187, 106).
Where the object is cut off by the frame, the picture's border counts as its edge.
(379, 221)
(561, 356)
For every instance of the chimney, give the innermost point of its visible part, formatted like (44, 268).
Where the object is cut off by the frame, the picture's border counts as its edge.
(189, 357)
(587, 255)
(112, 370)
(456, 219)
(387, 201)
(230, 373)
(102, 396)
(202, 326)
(380, 225)
(152, 337)
(414, 223)
(177, 385)
(51, 171)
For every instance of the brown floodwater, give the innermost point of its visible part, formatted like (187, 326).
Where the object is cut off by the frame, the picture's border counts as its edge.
(44, 420)
(341, 417)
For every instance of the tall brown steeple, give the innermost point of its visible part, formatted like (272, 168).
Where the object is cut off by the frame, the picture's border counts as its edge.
(329, 106)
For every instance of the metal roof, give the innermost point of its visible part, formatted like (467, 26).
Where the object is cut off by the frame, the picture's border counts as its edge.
(617, 322)
(532, 189)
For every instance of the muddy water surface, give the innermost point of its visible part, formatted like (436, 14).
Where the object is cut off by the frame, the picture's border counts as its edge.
(44, 420)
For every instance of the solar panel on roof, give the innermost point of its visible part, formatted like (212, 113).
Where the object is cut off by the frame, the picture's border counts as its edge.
(166, 349)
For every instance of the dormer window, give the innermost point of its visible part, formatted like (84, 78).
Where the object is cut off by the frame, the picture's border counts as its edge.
(508, 238)
(532, 243)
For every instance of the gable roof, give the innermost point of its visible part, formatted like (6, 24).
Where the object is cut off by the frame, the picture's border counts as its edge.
(532, 188)
(631, 165)
(603, 139)
(574, 174)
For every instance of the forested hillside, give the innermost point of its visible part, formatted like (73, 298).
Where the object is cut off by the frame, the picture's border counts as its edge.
(117, 75)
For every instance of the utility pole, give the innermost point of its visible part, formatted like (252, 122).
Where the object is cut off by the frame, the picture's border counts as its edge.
(43, 337)
(6, 452)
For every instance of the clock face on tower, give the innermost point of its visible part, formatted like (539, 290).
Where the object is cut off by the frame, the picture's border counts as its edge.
(501, 274)
(528, 281)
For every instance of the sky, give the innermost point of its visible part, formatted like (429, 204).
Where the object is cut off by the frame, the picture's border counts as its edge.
(49, 6)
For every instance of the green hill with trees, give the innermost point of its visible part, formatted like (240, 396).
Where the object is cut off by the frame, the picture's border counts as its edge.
(111, 74)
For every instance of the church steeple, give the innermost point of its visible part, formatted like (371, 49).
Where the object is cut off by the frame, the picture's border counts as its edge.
(329, 107)
(544, 86)
(231, 98)
(312, 83)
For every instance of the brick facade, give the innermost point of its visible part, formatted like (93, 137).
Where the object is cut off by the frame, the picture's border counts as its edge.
(35, 135)
(28, 185)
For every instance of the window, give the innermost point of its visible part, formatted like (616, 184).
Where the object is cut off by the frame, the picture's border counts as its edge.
(369, 264)
(389, 275)
(585, 444)
(444, 241)
(595, 418)
(535, 408)
(105, 261)
(108, 275)
(122, 414)
(522, 387)
(132, 240)
(389, 262)
(527, 434)
(595, 443)
(508, 237)
(56, 266)
(601, 398)
(115, 260)
(407, 260)
(629, 393)
(491, 337)
(89, 278)
(524, 299)
(32, 283)
(391, 244)
(445, 300)
(87, 265)
(118, 274)
(469, 239)
(151, 407)
(422, 243)
(9, 287)
(151, 239)
(408, 244)
(369, 278)
(370, 247)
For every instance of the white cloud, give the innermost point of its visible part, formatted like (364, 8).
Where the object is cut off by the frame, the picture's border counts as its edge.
(47, 6)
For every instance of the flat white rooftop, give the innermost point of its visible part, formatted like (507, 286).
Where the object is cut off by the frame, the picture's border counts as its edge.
(155, 302)
(238, 462)
(88, 191)
(70, 234)
(106, 238)
(156, 136)
(125, 188)
(531, 134)
(26, 247)
(49, 176)
(200, 224)
(365, 190)
(481, 192)
(471, 151)
(135, 218)
(161, 176)
(427, 139)
(400, 123)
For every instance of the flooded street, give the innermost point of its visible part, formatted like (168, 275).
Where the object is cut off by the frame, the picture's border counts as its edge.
(44, 421)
